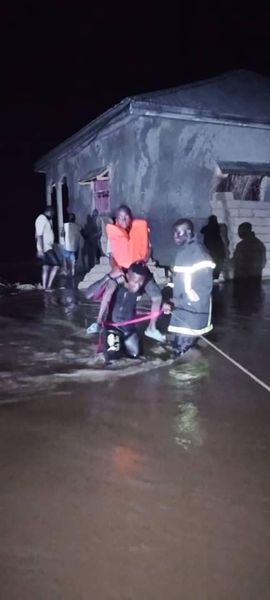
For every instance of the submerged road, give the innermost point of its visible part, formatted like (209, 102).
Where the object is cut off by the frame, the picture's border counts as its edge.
(149, 486)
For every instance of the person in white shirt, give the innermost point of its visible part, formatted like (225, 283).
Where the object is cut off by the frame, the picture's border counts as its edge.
(45, 241)
(71, 234)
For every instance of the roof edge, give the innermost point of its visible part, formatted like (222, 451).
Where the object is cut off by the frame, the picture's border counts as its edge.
(190, 114)
(80, 136)
(197, 83)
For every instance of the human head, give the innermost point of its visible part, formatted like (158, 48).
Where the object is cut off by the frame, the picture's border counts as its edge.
(136, 275)
(71, 218)
(95, 213)
(123, 216)
(49, 211)
(244, 230)
(183, 231)
(213, 221)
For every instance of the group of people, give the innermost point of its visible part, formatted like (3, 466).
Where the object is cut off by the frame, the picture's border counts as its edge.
(72, 236)
(249, 257)
(128, 247)
(189, 307)
(51, 262)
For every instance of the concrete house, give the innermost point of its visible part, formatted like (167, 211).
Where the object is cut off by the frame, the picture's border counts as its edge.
(190, 151)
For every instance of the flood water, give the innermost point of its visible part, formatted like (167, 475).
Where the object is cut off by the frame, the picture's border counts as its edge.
(150, 481)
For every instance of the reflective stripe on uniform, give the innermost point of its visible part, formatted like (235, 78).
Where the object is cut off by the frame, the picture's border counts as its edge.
(204, 264)
(188, 331)
(188, 272)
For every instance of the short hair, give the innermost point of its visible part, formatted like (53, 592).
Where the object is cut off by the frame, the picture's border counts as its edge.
(126, 209)
(71, 217)
(187, 222)
(139, 268)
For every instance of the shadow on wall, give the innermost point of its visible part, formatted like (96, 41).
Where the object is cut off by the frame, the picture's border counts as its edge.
(249, 257)
(216, 242)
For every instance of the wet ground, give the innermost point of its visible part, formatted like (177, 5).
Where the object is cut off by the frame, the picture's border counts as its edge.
(147, 482)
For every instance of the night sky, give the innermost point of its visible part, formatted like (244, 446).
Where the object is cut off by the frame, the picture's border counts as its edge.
(63, 64)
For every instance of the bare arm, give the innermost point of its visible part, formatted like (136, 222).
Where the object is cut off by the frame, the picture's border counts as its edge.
(40, 247)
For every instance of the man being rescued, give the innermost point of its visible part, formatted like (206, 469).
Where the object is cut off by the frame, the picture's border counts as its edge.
(128, 242)
(191, 304)
(119, 334)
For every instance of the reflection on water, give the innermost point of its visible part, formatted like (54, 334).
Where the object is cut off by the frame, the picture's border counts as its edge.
(43, 342)
(187, 425)
(184, 373)
(66, 300)
(126, 461)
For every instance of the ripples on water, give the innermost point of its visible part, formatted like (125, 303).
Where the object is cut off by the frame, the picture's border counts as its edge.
(44, 344)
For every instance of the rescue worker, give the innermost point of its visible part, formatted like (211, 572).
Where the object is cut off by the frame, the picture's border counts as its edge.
(192, 286)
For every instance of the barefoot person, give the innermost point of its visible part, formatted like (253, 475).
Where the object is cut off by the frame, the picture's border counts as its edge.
(72, 236)
(44, 241)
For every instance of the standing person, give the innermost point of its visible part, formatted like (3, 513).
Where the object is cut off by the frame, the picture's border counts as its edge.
(193, 282)
(45, 240)
(72, 235)
(214, 243)
(128, 242)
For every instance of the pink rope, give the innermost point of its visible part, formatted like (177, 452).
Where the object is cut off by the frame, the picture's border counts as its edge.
(138, 319)
(98, 294)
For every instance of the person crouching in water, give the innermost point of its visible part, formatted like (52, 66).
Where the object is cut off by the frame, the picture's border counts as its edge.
(128, 241)
(191, 304)
(121, 339)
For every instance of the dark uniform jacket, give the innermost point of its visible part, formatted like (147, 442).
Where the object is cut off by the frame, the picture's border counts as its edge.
(193, 282)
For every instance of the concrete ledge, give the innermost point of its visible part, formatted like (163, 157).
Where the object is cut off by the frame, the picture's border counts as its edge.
(94, 275)
(102, 269)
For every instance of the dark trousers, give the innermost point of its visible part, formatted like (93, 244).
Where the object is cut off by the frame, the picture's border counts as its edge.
(182, 343)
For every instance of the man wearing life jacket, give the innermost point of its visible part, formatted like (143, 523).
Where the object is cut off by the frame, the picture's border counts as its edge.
(192, 287)
(128, 242)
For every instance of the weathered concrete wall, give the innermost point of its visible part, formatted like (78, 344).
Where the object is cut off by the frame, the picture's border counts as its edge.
(162, 168)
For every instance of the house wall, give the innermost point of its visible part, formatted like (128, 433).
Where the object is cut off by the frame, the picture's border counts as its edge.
(162, 168)
(233, 213)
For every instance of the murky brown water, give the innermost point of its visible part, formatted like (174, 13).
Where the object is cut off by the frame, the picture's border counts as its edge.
(154, 485)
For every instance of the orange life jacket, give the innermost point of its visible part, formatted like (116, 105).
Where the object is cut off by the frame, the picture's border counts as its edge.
(127, 247)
